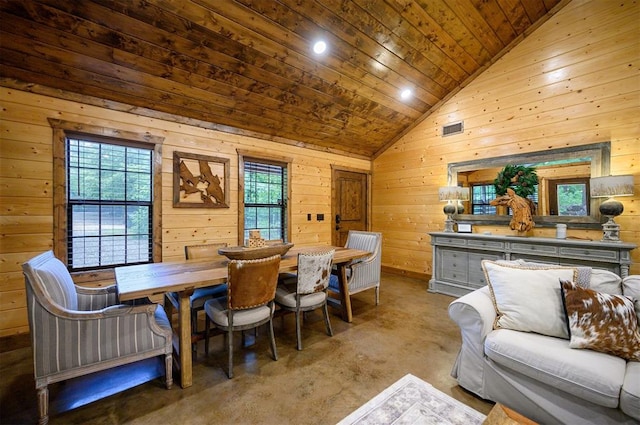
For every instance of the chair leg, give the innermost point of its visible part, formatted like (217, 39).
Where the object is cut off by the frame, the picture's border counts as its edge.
(327, 322)
(298, 331)
(207, 326)
(230, 348)
(43, 406)
(168, 366)
(274, 350)
(194, 330)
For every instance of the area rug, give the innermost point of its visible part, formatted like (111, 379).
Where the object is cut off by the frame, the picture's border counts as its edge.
(413, 401)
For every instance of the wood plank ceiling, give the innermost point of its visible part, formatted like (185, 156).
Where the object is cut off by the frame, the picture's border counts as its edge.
(247, 66)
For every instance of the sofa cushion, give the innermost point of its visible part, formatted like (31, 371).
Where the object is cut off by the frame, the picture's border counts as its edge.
(605, 281)
(590, 375)
(601, 322)
(630, 395)
(528, 298)
(631, 288)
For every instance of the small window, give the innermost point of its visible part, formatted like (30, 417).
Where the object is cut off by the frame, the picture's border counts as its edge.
(109, 204)
(481, 195)
(569, 197)
(265, 198)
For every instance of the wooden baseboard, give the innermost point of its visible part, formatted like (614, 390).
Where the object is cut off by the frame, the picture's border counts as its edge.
(400, 272)
(14, 342)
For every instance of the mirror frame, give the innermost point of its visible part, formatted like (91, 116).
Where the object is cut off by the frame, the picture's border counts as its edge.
(600, 154)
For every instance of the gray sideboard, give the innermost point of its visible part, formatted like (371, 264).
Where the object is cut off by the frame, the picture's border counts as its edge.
(457, 257)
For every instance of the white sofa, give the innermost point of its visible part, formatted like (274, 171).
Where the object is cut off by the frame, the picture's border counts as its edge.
(540, 376)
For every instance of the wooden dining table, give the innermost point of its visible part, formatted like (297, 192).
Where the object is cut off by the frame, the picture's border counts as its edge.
(183, 277)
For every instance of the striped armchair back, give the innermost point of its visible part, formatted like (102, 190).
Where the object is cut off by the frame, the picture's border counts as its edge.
(369, 268)
(367, 241)
(59, 287)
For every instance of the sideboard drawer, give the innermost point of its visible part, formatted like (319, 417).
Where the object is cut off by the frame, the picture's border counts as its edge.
(485, 244)
(596, 254)
(455, 265)
(444, 240)
(476, 274)
(534, 248)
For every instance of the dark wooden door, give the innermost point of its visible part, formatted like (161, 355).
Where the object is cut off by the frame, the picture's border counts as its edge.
(349, 204)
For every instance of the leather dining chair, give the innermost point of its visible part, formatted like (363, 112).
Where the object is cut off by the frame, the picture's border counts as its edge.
(77, 330)
(365, 273)
(307, 291)
(251, 289)
(200, 295)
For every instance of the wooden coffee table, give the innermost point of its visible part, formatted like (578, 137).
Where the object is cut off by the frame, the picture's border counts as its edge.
(502, 415)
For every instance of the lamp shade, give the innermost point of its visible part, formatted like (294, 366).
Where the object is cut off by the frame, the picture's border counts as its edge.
(453, 193)
(606, 187)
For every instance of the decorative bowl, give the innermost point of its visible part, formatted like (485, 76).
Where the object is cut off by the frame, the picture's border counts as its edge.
(244, 253)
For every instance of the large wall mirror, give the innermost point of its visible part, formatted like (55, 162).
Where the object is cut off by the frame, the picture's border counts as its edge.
(559, 171)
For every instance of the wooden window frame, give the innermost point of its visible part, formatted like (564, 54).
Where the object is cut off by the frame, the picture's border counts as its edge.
(66, 129)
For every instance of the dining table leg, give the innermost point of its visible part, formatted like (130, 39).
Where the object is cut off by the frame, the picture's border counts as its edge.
(184, 338)
(345, 299)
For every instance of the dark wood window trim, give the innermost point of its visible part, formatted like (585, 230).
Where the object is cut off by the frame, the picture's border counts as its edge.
(61, 131)
(259, 157)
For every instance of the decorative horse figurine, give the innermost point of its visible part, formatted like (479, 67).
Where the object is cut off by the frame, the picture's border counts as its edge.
(522, 218)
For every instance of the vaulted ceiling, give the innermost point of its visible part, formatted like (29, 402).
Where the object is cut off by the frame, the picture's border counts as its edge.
(247, 66)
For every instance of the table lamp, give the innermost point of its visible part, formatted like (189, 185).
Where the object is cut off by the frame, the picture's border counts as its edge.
(610, 187)
(452, 195)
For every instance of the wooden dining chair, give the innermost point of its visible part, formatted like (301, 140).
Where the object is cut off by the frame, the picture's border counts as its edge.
(308, 290)
(200, 295)
(251, 289)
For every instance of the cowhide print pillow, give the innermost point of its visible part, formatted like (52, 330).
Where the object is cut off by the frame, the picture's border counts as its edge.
(601, 322)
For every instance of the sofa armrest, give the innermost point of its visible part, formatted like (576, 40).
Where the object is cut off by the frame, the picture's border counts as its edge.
(474, 313)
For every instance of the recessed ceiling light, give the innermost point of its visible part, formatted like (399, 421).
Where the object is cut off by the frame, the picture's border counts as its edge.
(406, 94)
(319, 47)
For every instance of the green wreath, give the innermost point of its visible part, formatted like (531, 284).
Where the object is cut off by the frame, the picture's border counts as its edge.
(520, 178)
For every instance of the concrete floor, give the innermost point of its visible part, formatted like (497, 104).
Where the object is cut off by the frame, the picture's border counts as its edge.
(409, 332)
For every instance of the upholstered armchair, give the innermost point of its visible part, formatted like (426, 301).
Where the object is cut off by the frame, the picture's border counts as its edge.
(76, 331)
(365, 273)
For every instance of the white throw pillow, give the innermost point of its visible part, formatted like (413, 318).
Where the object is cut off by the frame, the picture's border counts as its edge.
(528, 299)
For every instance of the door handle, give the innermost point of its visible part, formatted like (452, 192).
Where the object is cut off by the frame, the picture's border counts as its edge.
(338, 219)
(337, 227)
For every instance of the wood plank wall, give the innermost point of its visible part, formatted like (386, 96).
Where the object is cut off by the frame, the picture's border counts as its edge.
(573, 81)
(26, 172)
